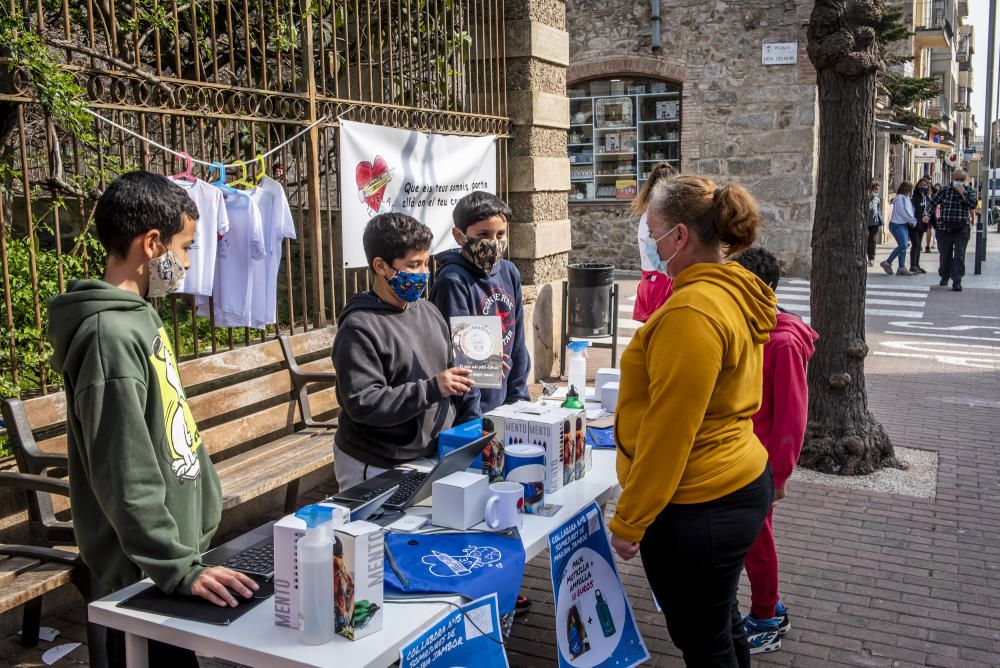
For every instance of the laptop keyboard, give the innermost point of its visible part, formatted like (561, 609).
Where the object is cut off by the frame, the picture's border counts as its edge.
(257, 559)
(407, 487)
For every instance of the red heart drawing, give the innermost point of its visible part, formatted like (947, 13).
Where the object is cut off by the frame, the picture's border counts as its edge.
(372, 178)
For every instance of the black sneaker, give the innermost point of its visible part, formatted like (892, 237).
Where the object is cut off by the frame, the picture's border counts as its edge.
(943, 282)
(781, 612)
(957, 287)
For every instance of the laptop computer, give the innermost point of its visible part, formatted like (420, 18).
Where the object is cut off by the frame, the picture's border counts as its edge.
(414, 486)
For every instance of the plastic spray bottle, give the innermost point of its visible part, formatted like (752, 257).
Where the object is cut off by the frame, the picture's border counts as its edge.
(576, 351)
(316, 583)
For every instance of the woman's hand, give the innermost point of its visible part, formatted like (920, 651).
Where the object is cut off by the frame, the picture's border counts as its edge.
(624, 548)
(779, 494)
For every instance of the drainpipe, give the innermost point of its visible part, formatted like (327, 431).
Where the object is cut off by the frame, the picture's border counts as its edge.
(654, 15)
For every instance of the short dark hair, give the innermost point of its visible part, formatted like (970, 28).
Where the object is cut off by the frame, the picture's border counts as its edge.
(137, 202)
(762, 263)
(478, 206)
(391, 236)
(905, 188)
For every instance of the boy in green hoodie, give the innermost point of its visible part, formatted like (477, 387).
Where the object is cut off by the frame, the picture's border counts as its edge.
(145, 496)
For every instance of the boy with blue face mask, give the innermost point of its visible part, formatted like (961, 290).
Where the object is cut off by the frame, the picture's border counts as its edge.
(391, 354)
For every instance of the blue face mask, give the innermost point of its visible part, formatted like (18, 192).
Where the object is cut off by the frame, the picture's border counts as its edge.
(653, 254)
(408, 286)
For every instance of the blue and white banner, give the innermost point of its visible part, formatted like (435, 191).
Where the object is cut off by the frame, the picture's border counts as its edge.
(594, 621)
(466, 637)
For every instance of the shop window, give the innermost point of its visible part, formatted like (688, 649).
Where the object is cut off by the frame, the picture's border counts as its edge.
(619, 130)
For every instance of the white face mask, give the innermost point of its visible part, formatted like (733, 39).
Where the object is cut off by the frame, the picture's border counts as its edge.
(958, 184)
(166, 275)
(653, 253)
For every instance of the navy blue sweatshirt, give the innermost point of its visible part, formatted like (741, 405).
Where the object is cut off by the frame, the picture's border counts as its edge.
(461, 288)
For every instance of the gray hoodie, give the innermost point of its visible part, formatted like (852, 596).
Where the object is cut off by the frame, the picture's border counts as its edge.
(386, 361)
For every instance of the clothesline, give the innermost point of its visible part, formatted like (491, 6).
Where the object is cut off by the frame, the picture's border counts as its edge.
(180, 154)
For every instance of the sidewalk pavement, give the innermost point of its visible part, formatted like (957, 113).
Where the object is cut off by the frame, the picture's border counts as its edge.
(870, 579)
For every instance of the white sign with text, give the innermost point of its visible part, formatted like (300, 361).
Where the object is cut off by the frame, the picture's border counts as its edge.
(423, 175)
(780, 53)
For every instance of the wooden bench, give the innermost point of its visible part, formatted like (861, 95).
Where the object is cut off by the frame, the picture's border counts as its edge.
(254, 407)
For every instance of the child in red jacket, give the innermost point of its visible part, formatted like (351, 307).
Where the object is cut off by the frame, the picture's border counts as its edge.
(780, 424)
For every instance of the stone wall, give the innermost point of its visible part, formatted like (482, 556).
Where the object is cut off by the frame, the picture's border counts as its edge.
(741, 120)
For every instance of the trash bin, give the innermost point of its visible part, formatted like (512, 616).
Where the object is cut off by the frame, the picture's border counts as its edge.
(589, 300)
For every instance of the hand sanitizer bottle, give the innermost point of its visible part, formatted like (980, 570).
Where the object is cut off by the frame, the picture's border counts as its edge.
(316, 584)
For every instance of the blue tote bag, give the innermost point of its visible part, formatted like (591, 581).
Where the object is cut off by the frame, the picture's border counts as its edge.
(472, 564)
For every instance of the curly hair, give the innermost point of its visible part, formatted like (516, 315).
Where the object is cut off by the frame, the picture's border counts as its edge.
(762, 263)
(391, 236)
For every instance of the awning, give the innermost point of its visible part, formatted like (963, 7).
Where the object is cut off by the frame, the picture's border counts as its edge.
(923, 143)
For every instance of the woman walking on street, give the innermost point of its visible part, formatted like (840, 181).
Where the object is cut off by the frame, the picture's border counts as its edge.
(930, 239)
(922, 212)
(899, 226)
(874, 221)
(696, 486)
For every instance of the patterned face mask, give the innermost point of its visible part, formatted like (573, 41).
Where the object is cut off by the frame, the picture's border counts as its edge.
(408, 286)
(166, 275)
(484, 253)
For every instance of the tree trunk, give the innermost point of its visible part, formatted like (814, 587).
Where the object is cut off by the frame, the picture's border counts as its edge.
(842, 435)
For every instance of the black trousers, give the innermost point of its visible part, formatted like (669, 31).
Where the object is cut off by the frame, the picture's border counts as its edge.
(916, 239)
(951, 247)
(873, 233)
(693, 556)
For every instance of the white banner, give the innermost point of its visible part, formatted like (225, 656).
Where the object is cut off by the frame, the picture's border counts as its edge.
(423, 175)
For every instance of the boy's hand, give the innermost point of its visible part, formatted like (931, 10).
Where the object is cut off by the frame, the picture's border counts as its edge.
(452, 382)
(506, 364)
(212, 584)
(779, 494)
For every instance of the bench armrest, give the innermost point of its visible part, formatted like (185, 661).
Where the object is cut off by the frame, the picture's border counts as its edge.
(300, 385)
(46, 554)
(34, 483)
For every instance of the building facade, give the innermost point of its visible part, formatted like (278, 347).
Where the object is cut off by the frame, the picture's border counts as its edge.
(687, 83)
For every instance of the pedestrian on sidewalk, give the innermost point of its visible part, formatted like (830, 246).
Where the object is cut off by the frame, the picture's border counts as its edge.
(922, 212)
(695, 482)
(930, 240)
(655, 286)
(875, 220)
(780, 424)
(957, 202)
(899, 226)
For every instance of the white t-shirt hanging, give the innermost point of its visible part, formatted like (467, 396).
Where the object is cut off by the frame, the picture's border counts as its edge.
(643, 235)
(213, 222)
(240, 255)
(278, 225)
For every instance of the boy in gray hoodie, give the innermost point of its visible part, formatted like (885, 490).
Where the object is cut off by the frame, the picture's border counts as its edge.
(391, 353)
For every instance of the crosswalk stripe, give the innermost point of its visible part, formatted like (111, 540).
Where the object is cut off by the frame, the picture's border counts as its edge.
(881, 302)
(872, 292)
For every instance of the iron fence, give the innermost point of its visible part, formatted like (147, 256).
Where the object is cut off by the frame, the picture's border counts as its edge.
(221, 80)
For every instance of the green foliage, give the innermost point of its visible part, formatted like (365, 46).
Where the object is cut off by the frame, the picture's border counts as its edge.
(56, 88)
(891, 29)
(903, 91)
(31, 349)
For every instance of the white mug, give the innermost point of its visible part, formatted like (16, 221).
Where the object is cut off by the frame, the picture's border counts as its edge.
(505, 505)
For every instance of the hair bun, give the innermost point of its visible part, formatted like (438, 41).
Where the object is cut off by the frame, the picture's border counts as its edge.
(737, 217)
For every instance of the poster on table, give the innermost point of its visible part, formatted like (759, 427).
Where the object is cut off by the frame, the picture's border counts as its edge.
(594, 621)
(423, 175)
(468, 636)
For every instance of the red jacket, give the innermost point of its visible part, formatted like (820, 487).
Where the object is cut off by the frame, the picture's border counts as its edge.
(780, 424)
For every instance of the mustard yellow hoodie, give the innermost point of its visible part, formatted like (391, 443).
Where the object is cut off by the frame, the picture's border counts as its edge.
(691, 380)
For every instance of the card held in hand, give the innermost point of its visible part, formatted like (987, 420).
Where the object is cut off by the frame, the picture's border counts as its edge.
(477, 342)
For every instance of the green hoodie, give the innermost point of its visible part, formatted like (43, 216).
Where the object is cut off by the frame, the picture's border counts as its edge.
(145, 496)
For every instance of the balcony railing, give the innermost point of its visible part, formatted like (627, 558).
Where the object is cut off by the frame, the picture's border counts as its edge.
(933, 16)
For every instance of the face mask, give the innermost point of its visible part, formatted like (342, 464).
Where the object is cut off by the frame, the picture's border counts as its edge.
(483, 253)
(653, 254)
(408, 286)
(958, 184)
(166, 275)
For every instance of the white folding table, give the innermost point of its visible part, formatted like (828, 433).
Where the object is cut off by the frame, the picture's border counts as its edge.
(255, 640)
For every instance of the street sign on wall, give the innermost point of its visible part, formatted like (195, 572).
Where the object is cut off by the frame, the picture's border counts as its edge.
(780, 53)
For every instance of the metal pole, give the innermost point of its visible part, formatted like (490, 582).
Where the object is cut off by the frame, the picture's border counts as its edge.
(987, 161)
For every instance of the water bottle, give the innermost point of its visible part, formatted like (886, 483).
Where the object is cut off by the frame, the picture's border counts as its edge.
(316, 576)
(576, 352)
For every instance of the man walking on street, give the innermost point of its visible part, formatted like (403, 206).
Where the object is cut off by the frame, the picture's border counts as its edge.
(957, 202)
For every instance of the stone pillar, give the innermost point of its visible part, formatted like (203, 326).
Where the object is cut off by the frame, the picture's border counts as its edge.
(538, 169)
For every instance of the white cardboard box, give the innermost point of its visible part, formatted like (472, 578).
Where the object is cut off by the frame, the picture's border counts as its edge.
(459, 500)
(359, 577)
(287, 532)
(605, 376)
(609, 397)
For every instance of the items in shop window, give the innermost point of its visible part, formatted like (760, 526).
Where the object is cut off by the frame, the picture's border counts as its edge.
(625, 189)
(666, 110)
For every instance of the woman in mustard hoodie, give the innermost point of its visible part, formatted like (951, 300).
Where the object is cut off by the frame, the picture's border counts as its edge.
(695, 482)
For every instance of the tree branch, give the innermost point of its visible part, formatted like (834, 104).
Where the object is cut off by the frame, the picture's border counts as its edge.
(142, 74)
